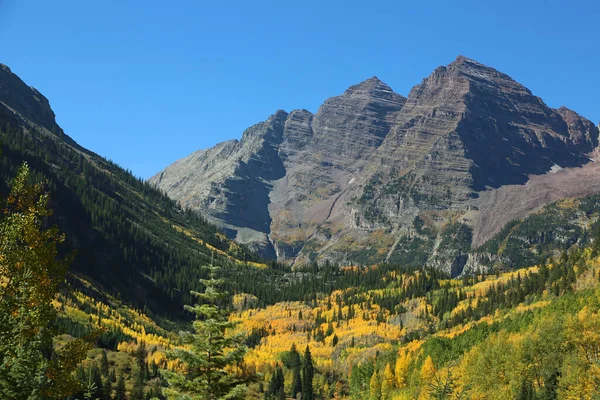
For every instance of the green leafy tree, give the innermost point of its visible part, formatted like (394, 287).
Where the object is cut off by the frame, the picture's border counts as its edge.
(31, 271)
(213, 350)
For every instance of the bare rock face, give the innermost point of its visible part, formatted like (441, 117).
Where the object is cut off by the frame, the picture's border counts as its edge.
(231, 182)
(468, 127)
(373, 176)
(26, 101)
(274, 187)
(25, 106)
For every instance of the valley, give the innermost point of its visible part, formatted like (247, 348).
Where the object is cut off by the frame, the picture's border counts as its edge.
(374, 250)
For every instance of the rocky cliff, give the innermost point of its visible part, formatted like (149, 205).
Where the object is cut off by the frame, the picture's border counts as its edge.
(374, 176)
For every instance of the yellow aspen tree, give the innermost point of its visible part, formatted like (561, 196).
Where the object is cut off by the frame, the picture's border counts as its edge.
(387, 383)
(375, 386)
(402, 365)
(428, 370)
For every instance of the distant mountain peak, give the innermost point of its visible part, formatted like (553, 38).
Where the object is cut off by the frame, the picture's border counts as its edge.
(460, 59)
(371, 85)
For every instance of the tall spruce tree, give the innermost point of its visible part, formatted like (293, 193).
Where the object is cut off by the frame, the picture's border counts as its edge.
(296, 365)
(276, 385)
(307, 376)
(213, 350)
(104, 366)
(120, 393)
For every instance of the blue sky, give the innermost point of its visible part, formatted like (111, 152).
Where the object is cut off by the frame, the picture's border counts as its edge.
(147, 82)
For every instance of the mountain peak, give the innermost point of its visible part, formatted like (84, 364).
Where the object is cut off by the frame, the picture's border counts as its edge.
(462, 60)
(370, 85)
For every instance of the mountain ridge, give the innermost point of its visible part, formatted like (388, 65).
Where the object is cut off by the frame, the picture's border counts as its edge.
(348, 182)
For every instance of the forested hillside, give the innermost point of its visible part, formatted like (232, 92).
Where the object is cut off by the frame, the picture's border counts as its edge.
(527, 334)
(129, 238)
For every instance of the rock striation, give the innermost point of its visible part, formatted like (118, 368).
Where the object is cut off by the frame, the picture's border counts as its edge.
(374, 176)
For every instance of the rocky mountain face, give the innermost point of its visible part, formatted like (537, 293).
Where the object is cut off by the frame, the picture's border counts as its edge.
(25, 101)
(374, 176)
(25, 106)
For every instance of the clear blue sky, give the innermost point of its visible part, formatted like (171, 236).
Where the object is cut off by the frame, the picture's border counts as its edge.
(147, 82)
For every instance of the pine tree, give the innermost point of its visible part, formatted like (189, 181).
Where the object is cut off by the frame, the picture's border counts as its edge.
(212, 349)
(526, 391)
(106, 389)
(277, 384)
(140, 358)
(95, 378)
(104, 363)
(137, 391)
(307, 376)
(296, 365)
(120, 393)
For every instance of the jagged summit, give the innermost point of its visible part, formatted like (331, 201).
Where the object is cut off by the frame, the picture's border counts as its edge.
(369, 84)
(373, 88)
(460, 59)
(348, 182)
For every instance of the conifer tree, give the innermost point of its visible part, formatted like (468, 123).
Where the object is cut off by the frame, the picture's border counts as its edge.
(296, 365)
(526, 391)
(106, 389)
(276, 385)
(307, 376)
(95, 377)
(104, 363)
(140, 359)
(120, 393)
(213, 349)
